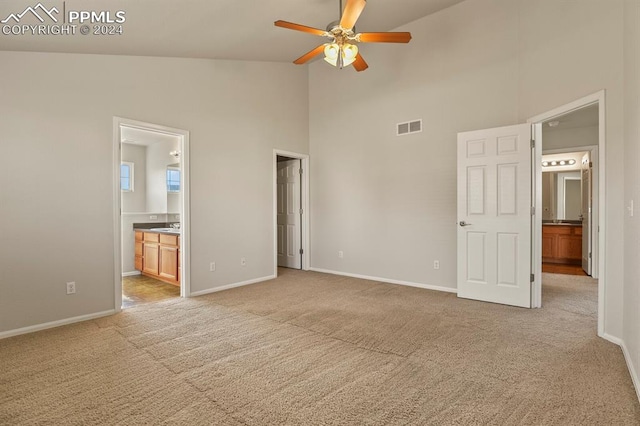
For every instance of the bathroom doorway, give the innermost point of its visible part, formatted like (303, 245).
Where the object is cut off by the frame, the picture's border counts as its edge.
(575, 127)
(151, 218)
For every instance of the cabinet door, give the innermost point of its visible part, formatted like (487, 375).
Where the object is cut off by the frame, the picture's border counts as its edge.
(548, 245)
(151, 258)
(570, 247)
(169, 262)
(139, 254)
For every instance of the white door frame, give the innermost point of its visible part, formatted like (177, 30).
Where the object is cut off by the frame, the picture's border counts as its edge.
(304, 202)
(185, 222)
(598, 262)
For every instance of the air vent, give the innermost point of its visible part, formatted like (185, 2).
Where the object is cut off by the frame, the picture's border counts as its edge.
(409, 127)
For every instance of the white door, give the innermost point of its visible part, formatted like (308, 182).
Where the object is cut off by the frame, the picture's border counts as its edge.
(586, 214)
(289, 236)
(494, 215)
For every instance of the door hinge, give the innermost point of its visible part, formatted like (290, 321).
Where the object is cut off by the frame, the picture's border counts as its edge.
(301, 212)
(589, 255)
(301, 251)
(532, 277)
(590, 164)
(300, 170)
(533, 143)
(533, 210)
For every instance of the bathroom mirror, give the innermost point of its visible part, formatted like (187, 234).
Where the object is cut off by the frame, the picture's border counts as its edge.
(561, 195)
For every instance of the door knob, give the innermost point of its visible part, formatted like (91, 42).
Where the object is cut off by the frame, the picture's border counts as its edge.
(463, 223)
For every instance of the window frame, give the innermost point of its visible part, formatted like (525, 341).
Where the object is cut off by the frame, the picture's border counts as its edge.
(131, 175)
(175, 169)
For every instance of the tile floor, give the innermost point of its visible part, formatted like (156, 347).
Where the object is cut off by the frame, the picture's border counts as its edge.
(141, 289)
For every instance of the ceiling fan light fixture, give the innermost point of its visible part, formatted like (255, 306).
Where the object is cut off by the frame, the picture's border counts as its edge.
(349, 53)
(331, 52)
(341, 51)
(340, 56)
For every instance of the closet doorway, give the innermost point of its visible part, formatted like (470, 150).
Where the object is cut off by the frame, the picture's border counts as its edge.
(290, 210)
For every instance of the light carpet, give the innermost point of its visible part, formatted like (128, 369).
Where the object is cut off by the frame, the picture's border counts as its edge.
(316, 349)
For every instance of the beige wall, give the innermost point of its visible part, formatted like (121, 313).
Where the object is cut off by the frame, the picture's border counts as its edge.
(136, 201)
(631, 331)
(390, 202)
(566, 138)
(56, 117)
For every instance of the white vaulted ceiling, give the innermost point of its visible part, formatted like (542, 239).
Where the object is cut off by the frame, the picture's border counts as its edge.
(215, 29)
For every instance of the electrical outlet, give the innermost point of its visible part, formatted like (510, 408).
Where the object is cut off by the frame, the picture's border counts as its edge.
(71, 287)
(243, 261)
(630, 208)
(436, 264)
(340, 254)
(212, 267)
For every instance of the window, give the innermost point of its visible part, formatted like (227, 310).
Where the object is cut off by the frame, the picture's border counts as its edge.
(173, 179)
(126, 176)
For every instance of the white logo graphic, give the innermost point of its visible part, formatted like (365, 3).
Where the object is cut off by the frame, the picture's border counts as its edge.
(34, 11)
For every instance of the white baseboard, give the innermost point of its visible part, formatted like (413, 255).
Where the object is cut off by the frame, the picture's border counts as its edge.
(387, 280)
(230, 286)
(627, 357)
(53, 324)
(632, 371)
(131, 274)
(612, 339)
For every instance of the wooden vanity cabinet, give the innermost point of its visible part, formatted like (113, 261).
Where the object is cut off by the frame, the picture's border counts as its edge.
(169, 258)
(562, 244)
(158, 256)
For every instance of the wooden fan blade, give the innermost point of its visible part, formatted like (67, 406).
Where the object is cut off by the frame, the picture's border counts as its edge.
(359, 64)
(351, 13)
(309, 55)
(298, 27)
(384, 37)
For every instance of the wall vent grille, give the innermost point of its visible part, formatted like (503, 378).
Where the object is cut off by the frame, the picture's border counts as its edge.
(409, 127)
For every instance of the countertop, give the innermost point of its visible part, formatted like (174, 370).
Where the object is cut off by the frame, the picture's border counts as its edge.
(153, 227)
(155, 230)
(561, 224)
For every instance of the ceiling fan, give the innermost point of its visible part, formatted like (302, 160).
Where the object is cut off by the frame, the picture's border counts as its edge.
(341, 50)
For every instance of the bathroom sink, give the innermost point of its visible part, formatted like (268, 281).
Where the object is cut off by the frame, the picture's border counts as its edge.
(176, 231)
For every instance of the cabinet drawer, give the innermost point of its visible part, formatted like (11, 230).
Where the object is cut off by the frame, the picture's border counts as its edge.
(139, 236)
(577, 230)
(556, 230)
(169, 240)
(152, 237)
